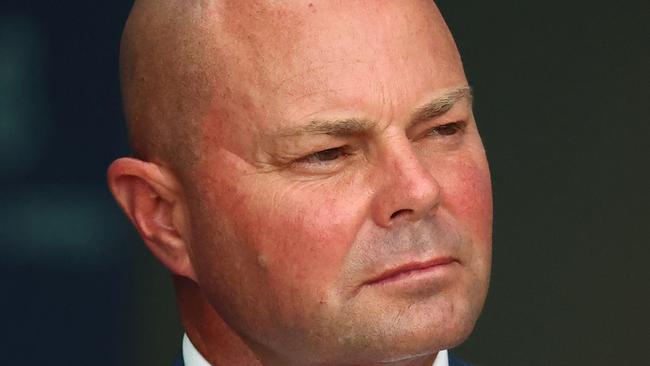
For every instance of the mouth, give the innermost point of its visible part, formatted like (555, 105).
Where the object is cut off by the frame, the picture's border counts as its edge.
(412, 269)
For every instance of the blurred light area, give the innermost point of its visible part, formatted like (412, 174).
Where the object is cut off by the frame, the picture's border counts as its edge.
(24, 112)
(49, 223)
(72, 295)
(70, 226)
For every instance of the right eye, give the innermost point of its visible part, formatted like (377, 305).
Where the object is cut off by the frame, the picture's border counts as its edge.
(323, 157)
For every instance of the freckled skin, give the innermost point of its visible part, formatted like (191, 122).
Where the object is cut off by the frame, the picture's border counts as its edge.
(282, 255)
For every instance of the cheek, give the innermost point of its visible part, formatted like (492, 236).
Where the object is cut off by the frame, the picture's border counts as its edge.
(302, 238)
(467, 195)
(294, 235)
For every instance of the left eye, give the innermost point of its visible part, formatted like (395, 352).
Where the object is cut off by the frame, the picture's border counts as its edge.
(323, 156)
(446, 129)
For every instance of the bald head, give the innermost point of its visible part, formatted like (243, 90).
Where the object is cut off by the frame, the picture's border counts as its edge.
(168, 68)
(183, 62)
(173, 63)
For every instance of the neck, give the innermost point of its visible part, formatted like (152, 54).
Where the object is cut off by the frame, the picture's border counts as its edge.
(217, 342)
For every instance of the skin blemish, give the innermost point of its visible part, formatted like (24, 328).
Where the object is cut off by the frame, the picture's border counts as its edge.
(262, 261)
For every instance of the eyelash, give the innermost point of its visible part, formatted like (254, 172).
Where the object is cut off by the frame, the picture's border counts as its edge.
(309, 159)
(456, 127)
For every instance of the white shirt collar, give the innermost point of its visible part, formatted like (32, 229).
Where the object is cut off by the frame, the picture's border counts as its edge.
(442, 359)
(192, 357)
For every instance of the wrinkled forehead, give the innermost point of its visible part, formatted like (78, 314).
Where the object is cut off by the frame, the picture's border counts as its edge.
(286, 59)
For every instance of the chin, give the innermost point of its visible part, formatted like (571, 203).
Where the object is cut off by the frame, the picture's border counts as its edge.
(389, 335)
(432, 334)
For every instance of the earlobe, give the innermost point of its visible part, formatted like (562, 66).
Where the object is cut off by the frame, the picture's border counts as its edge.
(152, 200)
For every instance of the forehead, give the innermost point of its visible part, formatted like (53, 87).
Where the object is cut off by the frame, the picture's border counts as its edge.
(287, 60)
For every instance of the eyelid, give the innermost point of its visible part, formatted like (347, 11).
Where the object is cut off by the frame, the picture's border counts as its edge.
(312, 161)
(460, 127)
(339, 149)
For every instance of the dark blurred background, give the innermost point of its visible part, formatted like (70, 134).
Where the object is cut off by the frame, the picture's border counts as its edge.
(562, 100)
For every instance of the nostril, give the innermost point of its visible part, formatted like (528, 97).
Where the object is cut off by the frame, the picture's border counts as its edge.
(400, 212)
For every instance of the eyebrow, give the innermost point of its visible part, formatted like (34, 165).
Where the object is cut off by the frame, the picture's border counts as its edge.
(357, 126)
(440, 105)
(335, 127)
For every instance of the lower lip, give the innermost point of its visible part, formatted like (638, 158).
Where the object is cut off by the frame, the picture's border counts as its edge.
(419, 279)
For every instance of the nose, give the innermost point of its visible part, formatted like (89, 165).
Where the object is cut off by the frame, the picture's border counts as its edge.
(408, 191)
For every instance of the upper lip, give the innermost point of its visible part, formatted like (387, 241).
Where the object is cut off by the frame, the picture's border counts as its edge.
(411, 266)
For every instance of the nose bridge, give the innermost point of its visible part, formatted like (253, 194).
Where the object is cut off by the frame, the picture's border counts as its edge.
(407, 188)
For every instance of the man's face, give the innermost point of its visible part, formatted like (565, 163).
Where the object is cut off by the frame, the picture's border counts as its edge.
(341, 208)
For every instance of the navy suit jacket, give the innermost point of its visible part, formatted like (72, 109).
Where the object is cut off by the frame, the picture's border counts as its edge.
(453, 361)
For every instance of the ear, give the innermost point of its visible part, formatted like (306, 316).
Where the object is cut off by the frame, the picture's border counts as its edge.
(152, 198)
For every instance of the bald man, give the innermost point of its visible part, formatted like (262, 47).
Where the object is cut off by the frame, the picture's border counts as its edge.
(312, 175)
